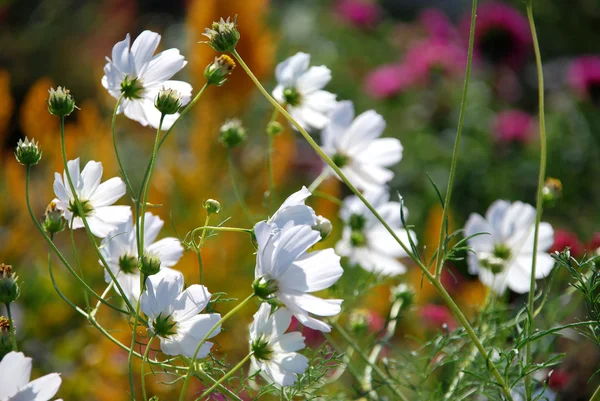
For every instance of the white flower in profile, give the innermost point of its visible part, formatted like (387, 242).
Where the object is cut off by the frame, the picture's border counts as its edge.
(96, 199)
(274, 352)
(15, 371)
(284, 270)
(294, 209)
(300, 89)
(135, 73)
(355, 146)
(365, 241)
(120, 251)
(503, 252)
(174, 316)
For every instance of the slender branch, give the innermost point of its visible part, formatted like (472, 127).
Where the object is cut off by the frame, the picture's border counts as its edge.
(11, 327)
(198, 249)
(144, 359)
(319, 180)
(225, 377)
(236, 189)
(133, 335)
(596, 395)
(78, 263)
(271, 192)
(114, 137)
(221, 388)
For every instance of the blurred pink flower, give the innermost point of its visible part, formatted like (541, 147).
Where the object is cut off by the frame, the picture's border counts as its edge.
(432, 57)
(437, 25)
(360, 13)
(312, 338)
(388, 80)
(436, 316)
(563, 239)
(513, 126)
(502, 34)
(584, 77)
(594, 244)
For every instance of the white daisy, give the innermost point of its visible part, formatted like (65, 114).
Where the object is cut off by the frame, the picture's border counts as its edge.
(96, 199)
(286, 271)
(365, 241)
(15, 371)
(174, 316)
(274, 350)
(293, 209)
(300, 88)
(120, 251)
(503, 254)
(355, 146)
(137, 74)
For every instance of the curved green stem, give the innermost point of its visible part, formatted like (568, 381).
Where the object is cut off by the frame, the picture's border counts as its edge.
(319, 180)
(596, 395)
(206, 337)
(271, 192)
(133, 335)
(11, 327)
(226, 376)
(541, 179)
(236, 189)
(221, 388)
(78, 263)
(197, 249)
(144, 359)
(217, 228)
(459, 129)
(114, 137)
(435, 282)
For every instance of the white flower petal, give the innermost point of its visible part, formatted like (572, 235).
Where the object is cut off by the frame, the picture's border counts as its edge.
(41, 389)
(292, 242)
(121, 56)
(190, 302)
(315, 78)
(162, 67)
(91, 176)
(15, 370)
(143, 49)
(312, 304)
(383, 152)
(168, 249)
(365, 128)
(312, 272)
(108, 192)
(288, 71)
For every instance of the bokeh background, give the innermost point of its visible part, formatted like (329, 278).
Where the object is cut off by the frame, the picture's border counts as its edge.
(404, 58)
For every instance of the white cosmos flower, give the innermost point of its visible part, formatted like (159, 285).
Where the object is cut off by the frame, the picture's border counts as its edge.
(95, 198)
(286, 271)
(293, 209)
(300, 88)
(15, 371)
(137, 74)
(355, 146)
(365, 241)
(274, 350)
(503, 255)
(174, 316)
(120, 250)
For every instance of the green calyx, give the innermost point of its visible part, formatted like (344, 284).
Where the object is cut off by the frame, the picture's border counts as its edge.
(340, 160)
(264, 288)
(164, 326)
(261, 349)
(85, 205)
(128, 264)
(132, 88)
(357, 239)
(291, 96)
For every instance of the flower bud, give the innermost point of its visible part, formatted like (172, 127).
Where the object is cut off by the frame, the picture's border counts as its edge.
(359, 321)
(60, 102)
(168, 101)
(402, 292)
(323, 226)
(216, 72)
(9, 289)
(232, 133)
(28, 153)
(274, 128)
(5, 337)
(552, 191)
(223, 35)
(264, 288)
(54, 221)
(212, 206)
(150, 264)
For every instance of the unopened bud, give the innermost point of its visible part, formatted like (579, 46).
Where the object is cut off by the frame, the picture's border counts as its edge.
(150, 264)
(212, 206)
(168, 101)
(323, 226)
(216, 73)
(9, 288)
(28, 152)
(223, 35)
(5, 337)
(552, 191)
(404, 293)
(359, 321)
(60, 102)
(232, 133)
(274, 128)
(54, 221)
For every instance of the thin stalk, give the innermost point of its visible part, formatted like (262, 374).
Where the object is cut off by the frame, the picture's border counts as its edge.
(339, 350)
(365, 357)
(57, 252)
(221, 388)
(206, 337)
(78, 263)
(271, 192)
(197, 248)
(105, 293)
(81, 213)
(435, 282)
(596, 395)
(133, 334)
(541, 178)
(236, 189)
(319, 180)
(114, 137)
(226, 376)
(144, 359)
(459, 129)
(11, 327)
(217, 228)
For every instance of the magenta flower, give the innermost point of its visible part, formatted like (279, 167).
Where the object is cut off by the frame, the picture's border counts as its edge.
(433, 57)
(502, 35)
(564, 239)
(584, 77)
(436, 316)
(360, 13)
(438, 25)
(388, 81)
(513, 126)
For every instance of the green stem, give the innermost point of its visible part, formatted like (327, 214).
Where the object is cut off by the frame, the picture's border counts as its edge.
(11, 327)
(225, 377)
(81, 213)
(206, 337)
(319, 180)
(353, 343)
(236, 189)
(105, 293)
(541, 178)
(221, 388)
(133, 335)
(78, 263)
(596, 395)
(144, 359)
(217, 228)
(339, 350)
(459, 129)
(271, 192)
(57, 252)
(197, 248)
(114, 137)
(435, 282)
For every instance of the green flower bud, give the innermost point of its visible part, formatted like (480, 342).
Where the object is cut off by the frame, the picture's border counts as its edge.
(150, 264)
(232, 133)
(168, 101)
(54, 221)
(274, 128)
(403, 292)
(60, 102)
(28, 153)
(9, 289)
(323, 226)
(264, 288)
(223, 35)
(359, 321)
(5, 338)
(216, 72)
(212, 206)
(552, 191)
